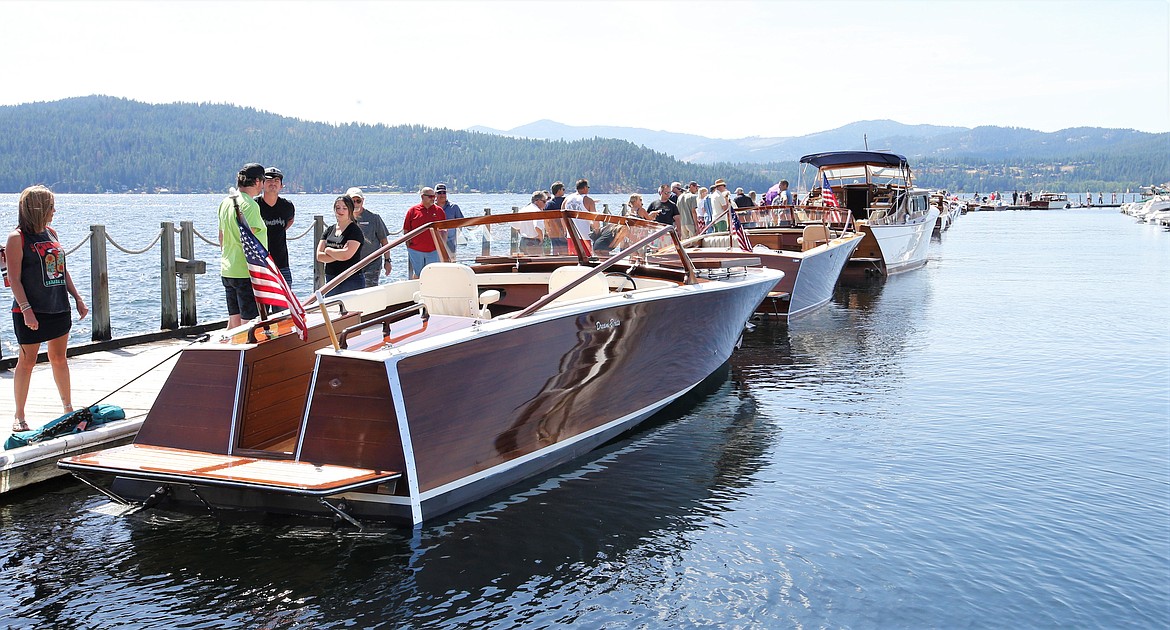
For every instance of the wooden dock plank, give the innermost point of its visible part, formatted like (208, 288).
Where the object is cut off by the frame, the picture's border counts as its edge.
(93, 376)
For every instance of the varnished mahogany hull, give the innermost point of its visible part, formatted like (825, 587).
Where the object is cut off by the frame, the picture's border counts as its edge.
(493, 406)
(498, 406)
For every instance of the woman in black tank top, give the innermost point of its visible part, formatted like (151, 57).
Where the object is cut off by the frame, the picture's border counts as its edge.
(41, 286)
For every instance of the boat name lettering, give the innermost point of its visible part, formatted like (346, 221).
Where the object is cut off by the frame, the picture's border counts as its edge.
(613, 323)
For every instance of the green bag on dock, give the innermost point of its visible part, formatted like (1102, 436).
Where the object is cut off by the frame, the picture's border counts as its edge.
(72, 422)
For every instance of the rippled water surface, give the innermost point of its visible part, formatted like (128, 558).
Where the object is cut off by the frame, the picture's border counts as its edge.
(983, 442)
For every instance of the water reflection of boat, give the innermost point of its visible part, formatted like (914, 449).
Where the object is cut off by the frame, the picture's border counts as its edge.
(634, 497)
(551, 355)
(878, 190)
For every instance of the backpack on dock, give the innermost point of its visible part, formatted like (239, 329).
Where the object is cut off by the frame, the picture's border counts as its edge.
(72, 422)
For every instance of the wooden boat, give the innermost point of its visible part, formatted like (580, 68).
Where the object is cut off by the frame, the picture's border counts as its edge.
(949, 209)
(877, 189)
(1049, 201)
(802, 243)
(440, 390)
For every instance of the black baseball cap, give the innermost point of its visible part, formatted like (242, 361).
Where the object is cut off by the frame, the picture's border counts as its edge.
(252, 170)
(273, 173)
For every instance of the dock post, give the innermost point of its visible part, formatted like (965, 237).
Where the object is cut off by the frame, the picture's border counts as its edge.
(187, 309)
(485, 245)
(514, 236)
(318, 267)
(170, 307)
(99, 282)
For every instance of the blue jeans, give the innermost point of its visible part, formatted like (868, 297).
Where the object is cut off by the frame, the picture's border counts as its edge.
(418, 259)
(352, 283)
(287, 273)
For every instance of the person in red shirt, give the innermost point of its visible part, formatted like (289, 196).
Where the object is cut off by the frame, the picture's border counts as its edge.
(421, 249)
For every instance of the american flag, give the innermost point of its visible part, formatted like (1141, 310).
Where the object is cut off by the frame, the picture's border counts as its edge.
(737, 229)
(268, 285)
(700, 223)
(827, 192)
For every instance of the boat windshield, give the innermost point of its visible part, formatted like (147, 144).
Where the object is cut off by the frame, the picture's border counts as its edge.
(543, 234)
(860, 174)
(557, 236)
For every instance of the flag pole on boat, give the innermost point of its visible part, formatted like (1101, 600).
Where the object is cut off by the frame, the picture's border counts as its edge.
(328, 322)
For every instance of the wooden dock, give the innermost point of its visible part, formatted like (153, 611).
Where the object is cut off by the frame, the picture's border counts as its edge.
(94, 376)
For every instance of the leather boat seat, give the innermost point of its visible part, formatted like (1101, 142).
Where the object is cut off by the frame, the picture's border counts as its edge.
(452, 289)
(595, 286)
(812, 236)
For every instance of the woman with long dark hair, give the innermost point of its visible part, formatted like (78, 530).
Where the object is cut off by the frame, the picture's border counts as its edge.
(340, 247)
(41, 286)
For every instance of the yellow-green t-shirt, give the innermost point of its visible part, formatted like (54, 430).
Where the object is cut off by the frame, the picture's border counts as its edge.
(231, 259)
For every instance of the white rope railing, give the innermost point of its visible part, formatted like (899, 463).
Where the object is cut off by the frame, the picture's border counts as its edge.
(78, 246)
(301, 235)
(210, 242)
(132, 251)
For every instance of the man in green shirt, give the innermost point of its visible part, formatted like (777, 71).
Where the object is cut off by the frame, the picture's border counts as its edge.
(233, 267)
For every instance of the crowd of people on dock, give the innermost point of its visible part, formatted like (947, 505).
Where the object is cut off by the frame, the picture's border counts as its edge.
(357, 231)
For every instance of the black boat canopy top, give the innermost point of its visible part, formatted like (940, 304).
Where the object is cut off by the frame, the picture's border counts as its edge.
(838, 158)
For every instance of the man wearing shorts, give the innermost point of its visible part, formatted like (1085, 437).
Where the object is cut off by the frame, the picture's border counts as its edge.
(233, 267)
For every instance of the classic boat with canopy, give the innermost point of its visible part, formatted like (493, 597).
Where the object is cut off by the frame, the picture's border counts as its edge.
(876, 191)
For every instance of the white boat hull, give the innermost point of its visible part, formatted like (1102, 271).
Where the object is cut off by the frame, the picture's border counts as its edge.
(904, 245)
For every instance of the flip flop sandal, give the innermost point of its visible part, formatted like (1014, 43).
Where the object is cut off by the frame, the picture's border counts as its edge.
(19, 425)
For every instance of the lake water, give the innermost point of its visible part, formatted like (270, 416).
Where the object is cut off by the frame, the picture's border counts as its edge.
(984, 442)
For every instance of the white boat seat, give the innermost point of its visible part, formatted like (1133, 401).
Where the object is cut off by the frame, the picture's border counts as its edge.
(595, 286)
(813, 235)
(452, 289)
(717, 241)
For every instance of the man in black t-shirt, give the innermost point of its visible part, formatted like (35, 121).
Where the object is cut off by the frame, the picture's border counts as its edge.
(741, 200)
(278, 214)
(664, 210)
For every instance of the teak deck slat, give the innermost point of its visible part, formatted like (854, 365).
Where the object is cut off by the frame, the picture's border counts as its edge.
(168, 464)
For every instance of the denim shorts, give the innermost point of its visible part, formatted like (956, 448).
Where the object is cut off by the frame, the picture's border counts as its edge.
(240, 299)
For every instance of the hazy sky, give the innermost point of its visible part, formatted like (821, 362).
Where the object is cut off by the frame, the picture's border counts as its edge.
(718, 69)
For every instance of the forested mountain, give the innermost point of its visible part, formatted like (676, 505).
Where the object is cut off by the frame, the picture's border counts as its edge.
(101, 143)
(917, 142)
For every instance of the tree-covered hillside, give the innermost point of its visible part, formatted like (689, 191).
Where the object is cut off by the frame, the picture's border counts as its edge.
(100, 143)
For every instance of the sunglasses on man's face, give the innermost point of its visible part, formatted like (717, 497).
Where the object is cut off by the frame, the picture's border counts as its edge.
(428, 196)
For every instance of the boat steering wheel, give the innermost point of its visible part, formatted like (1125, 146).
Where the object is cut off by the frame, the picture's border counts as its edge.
(626, 276)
